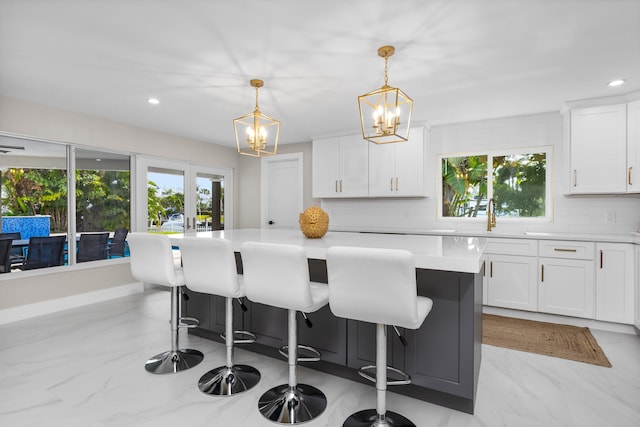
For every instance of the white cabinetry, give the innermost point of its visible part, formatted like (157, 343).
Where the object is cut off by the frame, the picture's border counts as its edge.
(397, 170)
(637, 280)
(633, 147)
(511, 279)
(567, 280)
(598, 149)
(615, 282)
(340, 167)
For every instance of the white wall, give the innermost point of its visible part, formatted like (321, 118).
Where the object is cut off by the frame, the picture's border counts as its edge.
(575, 214)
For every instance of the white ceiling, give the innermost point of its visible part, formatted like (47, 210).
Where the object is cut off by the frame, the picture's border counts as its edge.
(460, 60)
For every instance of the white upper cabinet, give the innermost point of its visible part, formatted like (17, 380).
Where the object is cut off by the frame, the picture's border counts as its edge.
(397, 169)
(598, 149)
(633, 147)
(340, 167)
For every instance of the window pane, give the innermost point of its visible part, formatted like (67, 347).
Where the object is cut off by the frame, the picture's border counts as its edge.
(33, 178)
(519, 183)
(102, 202)
(165, 198)
(464, 186)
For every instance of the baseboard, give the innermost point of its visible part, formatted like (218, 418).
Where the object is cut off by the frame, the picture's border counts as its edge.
(565, 320)
(28, 311)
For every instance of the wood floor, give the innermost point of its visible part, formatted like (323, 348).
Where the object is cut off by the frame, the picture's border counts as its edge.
(85, 367)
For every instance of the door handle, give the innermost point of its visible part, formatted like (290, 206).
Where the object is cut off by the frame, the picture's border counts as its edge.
(194, 222)
(186, 223)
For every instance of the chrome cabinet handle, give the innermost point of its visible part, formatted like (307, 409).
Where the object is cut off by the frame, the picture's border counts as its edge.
(575, 178)
(564, 250)
(194, 223)
(629, 175)
(491, 269)
(391, 184)
(341, 186)
(336, 185)
(397, 183)
(542, 278)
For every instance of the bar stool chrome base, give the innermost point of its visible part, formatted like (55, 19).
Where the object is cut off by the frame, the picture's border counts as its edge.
(292, 405)
(171, 362)
(370, 418)
(225, 381)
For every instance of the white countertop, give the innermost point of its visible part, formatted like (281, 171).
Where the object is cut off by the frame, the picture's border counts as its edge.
(448, 253)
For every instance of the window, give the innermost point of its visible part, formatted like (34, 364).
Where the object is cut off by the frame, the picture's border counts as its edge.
(518, 182)
(35, 199)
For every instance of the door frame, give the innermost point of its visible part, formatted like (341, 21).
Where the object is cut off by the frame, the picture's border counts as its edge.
(190, 171)
(264, 180)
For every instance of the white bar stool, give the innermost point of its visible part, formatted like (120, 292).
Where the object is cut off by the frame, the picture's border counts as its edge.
(209, 267)
(278, 275)
(152, 262)
(376, 286)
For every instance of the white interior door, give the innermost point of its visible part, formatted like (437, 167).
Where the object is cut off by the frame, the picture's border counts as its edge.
(281, 190)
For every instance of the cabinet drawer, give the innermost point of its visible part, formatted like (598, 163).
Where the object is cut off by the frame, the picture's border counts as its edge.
(512, 246)
(566, 249)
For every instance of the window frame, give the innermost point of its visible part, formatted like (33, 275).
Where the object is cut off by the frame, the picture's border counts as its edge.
(546, 149)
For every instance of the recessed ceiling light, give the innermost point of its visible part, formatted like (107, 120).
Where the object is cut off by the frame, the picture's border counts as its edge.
(617, 82)
(153, 101)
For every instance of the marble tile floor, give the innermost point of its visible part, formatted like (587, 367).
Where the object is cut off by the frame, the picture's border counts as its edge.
(85, 367)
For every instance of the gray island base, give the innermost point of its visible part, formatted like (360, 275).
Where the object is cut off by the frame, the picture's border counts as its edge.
(442, 357)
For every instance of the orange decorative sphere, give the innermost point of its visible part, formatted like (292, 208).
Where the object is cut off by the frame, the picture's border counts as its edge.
(314, 222)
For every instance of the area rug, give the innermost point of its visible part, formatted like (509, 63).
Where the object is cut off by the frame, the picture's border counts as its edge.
(550, 339)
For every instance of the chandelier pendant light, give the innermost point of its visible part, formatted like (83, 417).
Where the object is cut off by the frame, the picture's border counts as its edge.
(385, 113)
(256, 134)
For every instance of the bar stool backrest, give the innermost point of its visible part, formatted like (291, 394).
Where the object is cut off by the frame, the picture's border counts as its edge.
(152, 259)
(209, 266)
(373, 285)
(277, 274)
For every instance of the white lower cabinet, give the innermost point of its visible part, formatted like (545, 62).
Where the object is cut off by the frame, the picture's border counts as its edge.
(567, 287)
(566, 282)
(511, 282)
(615, 282)
(637, 280)
(510, 273)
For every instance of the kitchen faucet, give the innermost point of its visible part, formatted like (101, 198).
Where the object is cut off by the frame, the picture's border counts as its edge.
(491, 214)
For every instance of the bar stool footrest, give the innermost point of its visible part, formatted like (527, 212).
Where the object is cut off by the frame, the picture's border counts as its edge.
(188, 322)
(405, 378)
(284, 350)
(244, 337)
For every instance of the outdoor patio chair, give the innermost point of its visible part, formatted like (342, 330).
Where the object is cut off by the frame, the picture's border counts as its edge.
(117, 245)
(44, 252)
(92, 246)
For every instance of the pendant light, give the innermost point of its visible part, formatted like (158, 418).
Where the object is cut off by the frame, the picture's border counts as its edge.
(256, 134)
(385, 113)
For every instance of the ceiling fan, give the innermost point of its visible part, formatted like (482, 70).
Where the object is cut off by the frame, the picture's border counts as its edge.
(4, 149)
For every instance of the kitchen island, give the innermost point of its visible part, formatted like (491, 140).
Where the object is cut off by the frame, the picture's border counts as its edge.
(442, 357)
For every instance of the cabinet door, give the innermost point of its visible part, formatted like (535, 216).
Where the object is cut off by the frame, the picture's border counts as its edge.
(409, 165)
(598, 149)
(326, 170)
(382, 169)
(354, 166)
(567, 287)
(614, 282)
(512, 282)
(633, 147)
(637, 280)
